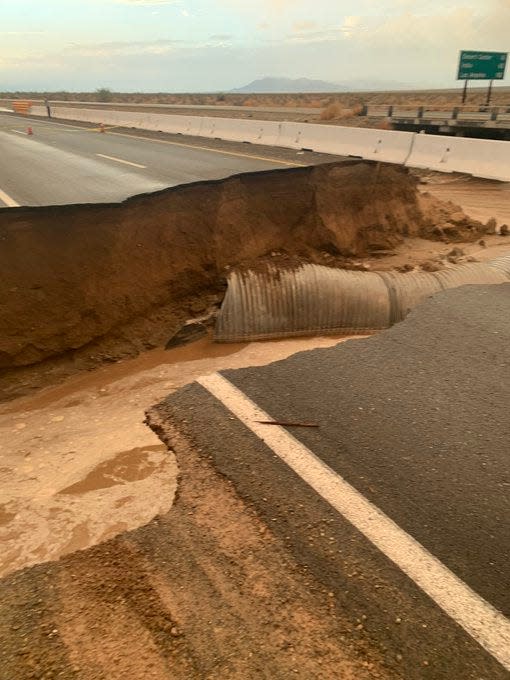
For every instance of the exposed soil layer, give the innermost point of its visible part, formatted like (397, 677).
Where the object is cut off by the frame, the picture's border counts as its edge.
(112, 279)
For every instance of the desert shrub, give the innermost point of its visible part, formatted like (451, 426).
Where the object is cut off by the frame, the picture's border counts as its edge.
(332, 111)
(104, 94)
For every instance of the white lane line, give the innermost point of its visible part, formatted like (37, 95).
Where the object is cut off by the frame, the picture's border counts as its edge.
(120, 160)
(9, 202)
(19, 132)
(489, 627)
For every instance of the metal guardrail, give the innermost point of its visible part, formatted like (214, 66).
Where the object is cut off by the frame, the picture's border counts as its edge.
(457, 115)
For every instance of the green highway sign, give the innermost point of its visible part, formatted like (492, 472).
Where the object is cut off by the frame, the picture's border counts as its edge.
(482, 65)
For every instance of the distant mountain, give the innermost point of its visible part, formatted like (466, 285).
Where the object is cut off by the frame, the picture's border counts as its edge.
(288, 85)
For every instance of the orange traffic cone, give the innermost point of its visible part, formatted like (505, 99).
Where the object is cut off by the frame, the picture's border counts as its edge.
(30, 131)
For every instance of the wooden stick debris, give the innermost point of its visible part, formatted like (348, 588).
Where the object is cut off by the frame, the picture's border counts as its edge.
(286, 424)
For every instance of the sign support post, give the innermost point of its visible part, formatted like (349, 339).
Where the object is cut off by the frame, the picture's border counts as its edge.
(464, 91)
(489, 93)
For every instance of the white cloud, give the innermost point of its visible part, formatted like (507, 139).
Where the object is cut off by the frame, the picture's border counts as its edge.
(122, 49)
(438, 33)
(299, 26)
(304, 32)
(146, 3)
(21, 33)
(262, 7)
(351, 26)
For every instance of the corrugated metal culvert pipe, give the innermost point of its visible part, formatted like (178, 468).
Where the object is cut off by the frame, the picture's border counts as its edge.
(317, 300)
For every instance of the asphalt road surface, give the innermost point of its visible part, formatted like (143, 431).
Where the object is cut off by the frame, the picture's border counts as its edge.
(398, 502)
(62, 163)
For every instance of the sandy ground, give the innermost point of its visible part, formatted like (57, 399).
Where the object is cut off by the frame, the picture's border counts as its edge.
(417, 251)
(480, 199)
(77, 463)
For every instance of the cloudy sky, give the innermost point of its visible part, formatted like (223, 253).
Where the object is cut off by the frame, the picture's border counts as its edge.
(211, 45)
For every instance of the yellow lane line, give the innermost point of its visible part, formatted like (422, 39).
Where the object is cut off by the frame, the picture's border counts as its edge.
(98, 129)
(206, 148)
(9, 202)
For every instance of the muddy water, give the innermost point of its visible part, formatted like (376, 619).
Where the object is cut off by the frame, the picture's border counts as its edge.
(77, 463)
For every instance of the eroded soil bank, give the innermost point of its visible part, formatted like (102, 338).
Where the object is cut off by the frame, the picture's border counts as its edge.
(102, 281)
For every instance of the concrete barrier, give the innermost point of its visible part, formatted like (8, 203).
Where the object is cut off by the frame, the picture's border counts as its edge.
(37, 111)
(368, 143)
(180, 125)
(131, 119)
(83, 115)
(236, 130)
(487, 158)
(155, 122)
(479, 157)
(289, 135)
(430, 152)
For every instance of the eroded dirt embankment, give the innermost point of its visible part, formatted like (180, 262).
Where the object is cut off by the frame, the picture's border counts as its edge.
(105, 280)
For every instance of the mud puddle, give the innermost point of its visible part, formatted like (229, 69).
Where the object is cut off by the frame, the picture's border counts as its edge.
(77, 464)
